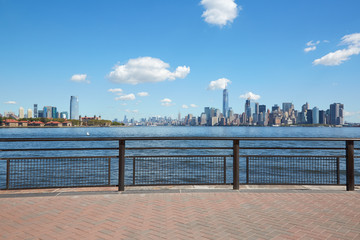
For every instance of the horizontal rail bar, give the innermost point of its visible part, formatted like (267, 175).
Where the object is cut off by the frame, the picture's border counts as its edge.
(72, 157)
(169, 148)
(69, 157)
(178, 184)
(242, 156)
(179, 148)
(293, 156)
(87, 186)
(179, 138)
(54, 149)
(175, 156)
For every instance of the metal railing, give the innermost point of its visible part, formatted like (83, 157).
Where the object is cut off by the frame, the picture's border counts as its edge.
(227, 166)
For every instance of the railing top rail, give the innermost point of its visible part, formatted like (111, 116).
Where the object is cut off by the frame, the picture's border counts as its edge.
(178, 138)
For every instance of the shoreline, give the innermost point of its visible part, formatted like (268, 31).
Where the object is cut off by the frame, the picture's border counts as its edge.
(255, 126)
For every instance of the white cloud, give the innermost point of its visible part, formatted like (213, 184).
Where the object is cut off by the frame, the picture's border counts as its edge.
(130, 96)
(166, 102)
(190, 106)
(342, 55)
(124, 104)
(79, 78)
(143, 94)
(10, 102)
(220, 12)
(312, 43)
(250, 96)
(311, 46)
(219, 84)
(309, 49)
(132, 111)
(146, 69)
(337, 57)
(115, 90)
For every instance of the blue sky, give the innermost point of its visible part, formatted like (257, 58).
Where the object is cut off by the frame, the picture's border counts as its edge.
(170, 51)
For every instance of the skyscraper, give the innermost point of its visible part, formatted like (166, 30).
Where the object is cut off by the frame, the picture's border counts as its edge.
(35, 110)
(29, 113)
(309, 116)
(336, 114)
(64, 115)
(225, 103)
(74, 107)
(47, 112)
(262, 109)
(287, 106)
(54, 112)
(315, 115)
(322, 117)
(256, 114)
(21, 112)
(247, 108)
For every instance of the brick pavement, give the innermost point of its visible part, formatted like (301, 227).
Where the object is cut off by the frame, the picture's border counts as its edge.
(209, 215)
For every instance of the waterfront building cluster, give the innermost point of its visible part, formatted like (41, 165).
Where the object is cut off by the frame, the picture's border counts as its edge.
(49, 116)
(255, 114)
(49, 112)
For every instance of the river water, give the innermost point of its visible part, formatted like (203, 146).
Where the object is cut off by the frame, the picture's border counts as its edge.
(177, 132)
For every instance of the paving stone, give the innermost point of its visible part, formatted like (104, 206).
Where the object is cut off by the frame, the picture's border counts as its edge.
(183, 215)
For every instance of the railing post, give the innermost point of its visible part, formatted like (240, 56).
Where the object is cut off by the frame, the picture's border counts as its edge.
(7, 173)
(247, 169)
(109, 172)
(224, 170)
(134, 171)
(350, 183)
(121, 165)
(236, 164)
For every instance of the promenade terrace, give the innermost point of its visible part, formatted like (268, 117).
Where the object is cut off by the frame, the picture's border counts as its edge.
(235, 202)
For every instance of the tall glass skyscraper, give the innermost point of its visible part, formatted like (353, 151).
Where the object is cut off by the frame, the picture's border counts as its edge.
(225, 103)
(74, 107)
(35, 111)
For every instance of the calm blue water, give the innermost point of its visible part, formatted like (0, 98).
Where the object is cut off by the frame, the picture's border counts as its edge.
(175, 132)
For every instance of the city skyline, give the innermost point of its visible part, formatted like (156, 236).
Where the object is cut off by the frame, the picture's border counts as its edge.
(120, 59)
(253, 114)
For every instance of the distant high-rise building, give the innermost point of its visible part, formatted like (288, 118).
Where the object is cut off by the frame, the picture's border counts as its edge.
(315, 115)
(256, 114)
(247, 109)
(262, 109)
(47, 112)
(309, 116)
(21, 112)
(287, 106)
(217, 113)
(257, 108)
(40, 113)
(35, 110)
(322, 117)
(203, 119)
(74, 107)
(275, 108)
(225, 103)
(336, 114)
(29, 113)
(305, 107)
(64, 115)
(54, 113)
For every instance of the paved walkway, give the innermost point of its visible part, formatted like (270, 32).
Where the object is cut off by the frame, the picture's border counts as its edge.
(210, 214)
